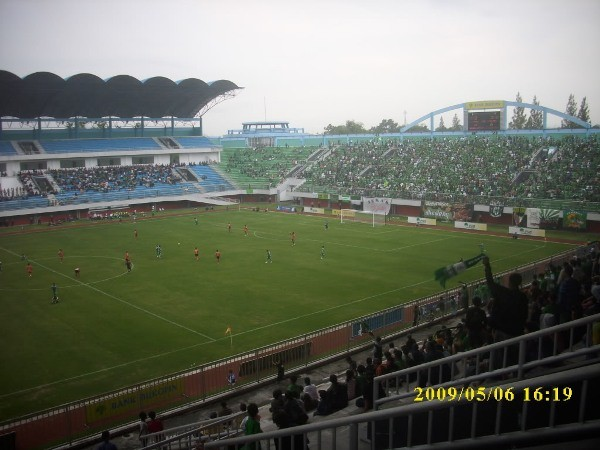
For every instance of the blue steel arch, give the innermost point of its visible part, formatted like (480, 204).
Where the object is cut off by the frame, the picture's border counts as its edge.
(506, 103)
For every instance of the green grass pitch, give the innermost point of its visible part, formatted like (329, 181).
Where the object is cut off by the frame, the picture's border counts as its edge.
(112, 328)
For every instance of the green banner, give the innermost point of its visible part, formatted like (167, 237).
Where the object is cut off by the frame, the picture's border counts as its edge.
(323, 196)
(574, 220)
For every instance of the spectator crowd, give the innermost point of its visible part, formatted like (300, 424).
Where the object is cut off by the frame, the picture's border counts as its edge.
(468, 168)
(109, 178)
(272, 163)
(536, 167)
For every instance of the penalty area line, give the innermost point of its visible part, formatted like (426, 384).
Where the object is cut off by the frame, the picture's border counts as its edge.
(131, 305)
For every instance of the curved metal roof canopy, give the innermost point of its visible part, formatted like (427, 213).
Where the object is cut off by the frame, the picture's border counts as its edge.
(45, 94)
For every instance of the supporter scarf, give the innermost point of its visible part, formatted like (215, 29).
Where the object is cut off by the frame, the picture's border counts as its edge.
(443, 274)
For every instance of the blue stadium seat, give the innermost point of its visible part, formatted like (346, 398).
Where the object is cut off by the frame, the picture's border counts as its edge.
(26, 203)
(194, 142)
(158, 190)
(210, 179)
(6, 148)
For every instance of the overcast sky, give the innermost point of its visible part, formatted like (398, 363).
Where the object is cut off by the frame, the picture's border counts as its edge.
(320, 62)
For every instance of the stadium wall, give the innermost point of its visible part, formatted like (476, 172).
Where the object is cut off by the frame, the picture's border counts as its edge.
(56, 215)
(406, 210)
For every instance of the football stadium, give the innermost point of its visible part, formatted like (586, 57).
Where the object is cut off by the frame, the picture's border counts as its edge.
(147, 267)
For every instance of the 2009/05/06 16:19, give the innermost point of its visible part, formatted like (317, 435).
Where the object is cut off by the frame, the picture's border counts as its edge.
(483, 394)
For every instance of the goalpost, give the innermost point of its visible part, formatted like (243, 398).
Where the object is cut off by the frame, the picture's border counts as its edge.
(353, 215)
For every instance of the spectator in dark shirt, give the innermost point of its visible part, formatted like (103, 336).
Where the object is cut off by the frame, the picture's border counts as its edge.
(509, 309)
(569, 295)
(106, 444)
(377, 346)
(508, 314)
(475, 322)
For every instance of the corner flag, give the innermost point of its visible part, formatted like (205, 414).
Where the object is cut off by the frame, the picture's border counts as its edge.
(228, 332)
(443, 274)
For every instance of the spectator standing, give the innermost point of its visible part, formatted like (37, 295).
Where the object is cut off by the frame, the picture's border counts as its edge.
(155, 425)
(276, 406)
(351, 384)
(280, 369)
(143, 429)
(509, 310)
(231, 378)
(361, 383)
(351, 364)
(295, 416)
(475, 322)
(410, 341)
(377, 347)
(415, 315)
(569, 295)
(244, 409)
(294, 387)
(106, 444)
(508, 313)
(252, 426)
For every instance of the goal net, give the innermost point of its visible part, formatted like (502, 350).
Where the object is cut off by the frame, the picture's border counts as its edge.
(353, 215)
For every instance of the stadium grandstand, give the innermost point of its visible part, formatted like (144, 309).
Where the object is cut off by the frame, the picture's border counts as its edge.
(72, 147)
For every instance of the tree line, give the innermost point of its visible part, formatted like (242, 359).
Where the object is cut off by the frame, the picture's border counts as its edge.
(520, 120)
(535, 120)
